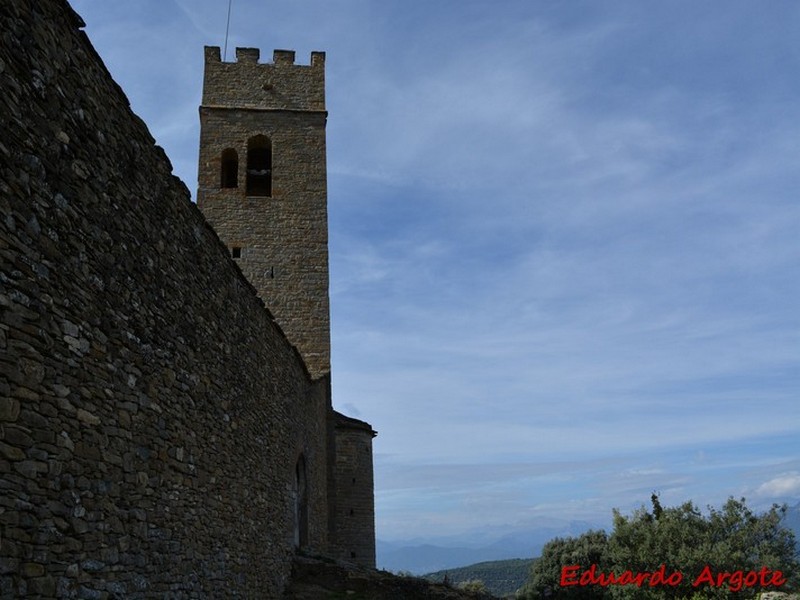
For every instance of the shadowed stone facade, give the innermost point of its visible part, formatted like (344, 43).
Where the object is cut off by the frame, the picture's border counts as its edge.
(160, 434)
(354, 509)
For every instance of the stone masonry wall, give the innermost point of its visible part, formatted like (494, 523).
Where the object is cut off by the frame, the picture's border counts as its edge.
(151, 411)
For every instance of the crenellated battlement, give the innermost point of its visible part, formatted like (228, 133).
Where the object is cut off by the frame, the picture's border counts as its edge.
(252, 56)
(278, 85)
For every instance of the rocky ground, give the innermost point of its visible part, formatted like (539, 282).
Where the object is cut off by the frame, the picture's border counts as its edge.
(318, 579)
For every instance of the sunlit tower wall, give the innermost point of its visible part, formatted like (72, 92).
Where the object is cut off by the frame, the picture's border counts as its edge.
(262, 185)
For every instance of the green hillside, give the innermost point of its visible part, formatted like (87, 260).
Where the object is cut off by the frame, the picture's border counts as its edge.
(502, 577)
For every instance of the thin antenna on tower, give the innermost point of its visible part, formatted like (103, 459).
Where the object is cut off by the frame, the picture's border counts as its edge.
(227, 28)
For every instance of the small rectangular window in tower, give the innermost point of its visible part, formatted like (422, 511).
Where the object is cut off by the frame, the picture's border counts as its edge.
(236, 252)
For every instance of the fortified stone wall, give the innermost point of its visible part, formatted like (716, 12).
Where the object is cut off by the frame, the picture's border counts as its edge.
(152, 414)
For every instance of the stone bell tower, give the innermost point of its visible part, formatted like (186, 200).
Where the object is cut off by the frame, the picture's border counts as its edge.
(262, 185)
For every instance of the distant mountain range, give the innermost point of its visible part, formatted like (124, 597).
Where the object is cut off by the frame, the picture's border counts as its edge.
(426, 555)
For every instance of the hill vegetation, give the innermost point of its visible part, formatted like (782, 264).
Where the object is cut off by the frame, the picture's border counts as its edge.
(501, 577)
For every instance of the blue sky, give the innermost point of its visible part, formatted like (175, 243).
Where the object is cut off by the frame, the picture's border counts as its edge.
(564, 236)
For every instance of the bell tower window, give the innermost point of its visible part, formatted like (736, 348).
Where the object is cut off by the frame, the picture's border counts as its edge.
(259, 166)
(229, 177)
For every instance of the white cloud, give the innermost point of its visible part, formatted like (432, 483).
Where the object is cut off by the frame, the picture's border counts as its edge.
(787, 484)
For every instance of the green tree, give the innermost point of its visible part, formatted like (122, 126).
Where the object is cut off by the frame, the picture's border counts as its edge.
(684, 540)
(678, 540)
(645, 541)
(585, 550)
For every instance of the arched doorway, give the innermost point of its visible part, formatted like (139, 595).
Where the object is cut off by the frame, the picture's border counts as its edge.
(300, 504)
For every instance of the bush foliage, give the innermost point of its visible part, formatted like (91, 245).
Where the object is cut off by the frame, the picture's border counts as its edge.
(682, 544)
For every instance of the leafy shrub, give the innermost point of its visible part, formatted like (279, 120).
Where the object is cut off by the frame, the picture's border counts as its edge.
(673, 540)
(474, 585)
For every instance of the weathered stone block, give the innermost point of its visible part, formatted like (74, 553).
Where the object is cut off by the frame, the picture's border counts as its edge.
(8, 565)
(32, 570)
(11, 452)
(9, 409)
